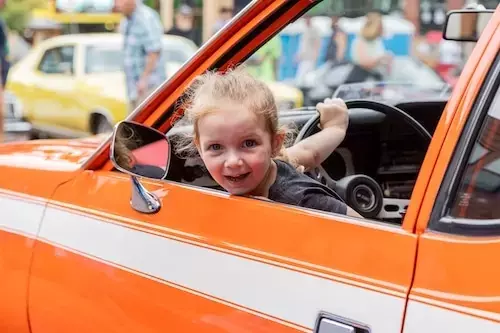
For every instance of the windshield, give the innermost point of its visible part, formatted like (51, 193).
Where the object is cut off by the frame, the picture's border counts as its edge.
(391, 91)
(406, 69)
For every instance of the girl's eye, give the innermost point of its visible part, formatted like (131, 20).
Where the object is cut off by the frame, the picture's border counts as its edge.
(249, 143)
(214, 146)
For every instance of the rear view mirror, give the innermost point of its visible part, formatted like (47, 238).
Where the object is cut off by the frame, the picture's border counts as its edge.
(140, 150)
(466, 25)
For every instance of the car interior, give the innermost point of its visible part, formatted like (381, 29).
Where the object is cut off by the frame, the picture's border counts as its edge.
(379, 146)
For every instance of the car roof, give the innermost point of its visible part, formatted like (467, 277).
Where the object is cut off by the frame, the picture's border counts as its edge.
(101, 37)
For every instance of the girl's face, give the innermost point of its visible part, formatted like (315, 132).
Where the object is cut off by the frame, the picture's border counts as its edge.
(236, 148)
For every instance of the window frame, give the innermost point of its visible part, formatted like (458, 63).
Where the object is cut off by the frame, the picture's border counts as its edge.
(440, 219)
(46, 52)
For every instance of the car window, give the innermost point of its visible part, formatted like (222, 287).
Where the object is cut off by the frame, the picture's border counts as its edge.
(58, 60)
(406, 69)
(103, 59)
(478, 194)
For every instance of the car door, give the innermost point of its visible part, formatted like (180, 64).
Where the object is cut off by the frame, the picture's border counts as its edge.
(456, 281)
(210, 262)
(55, 108)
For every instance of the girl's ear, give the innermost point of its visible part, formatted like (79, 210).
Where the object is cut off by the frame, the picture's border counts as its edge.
(278, 141)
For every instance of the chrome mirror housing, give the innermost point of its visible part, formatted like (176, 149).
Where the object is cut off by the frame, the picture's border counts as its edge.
(140, 151)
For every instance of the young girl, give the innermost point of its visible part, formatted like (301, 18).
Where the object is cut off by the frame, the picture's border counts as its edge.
(236, 133)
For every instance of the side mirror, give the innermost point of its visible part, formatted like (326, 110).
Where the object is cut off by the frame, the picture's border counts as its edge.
(466, 25)
(140, 150)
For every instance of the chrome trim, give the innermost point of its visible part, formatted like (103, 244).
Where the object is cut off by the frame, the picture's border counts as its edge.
(402, 205)
(112, 149)
(332, 326)
(329, 323)
(469, 222)
(142, 200)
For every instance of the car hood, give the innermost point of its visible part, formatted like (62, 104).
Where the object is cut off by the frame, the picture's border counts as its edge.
(54, 155)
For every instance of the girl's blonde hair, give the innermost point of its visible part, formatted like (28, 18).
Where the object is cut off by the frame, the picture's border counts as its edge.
(212, 89)
(373, 26)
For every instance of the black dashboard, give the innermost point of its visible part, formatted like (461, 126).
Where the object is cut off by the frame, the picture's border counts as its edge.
(389, 151)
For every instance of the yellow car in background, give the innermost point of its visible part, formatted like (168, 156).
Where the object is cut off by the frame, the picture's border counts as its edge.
(74, 85)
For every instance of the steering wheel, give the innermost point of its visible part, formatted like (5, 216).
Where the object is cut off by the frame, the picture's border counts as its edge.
(361, 192)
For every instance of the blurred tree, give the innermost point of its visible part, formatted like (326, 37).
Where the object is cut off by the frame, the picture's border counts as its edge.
(17, 12)
(155, 4)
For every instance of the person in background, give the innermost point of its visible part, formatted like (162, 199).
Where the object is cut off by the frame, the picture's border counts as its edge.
(4, 51)
(19, 47)
(337, 44)
(225, 15)
(184, 25)
(143, 33)
(310, 44)
(368, 50)
(4, 68)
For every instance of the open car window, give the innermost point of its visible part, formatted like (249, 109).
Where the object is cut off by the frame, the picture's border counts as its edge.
(383, 148)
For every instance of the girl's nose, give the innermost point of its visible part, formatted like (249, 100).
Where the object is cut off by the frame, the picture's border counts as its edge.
(233, 160)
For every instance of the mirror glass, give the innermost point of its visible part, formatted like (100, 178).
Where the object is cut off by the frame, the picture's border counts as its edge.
(466, 26)
(140, 150)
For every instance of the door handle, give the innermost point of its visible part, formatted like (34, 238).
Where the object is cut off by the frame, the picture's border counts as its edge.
(329, 323)
(332, 326)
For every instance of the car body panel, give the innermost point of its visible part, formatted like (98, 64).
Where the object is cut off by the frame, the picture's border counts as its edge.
(377, 272)
(29, 175)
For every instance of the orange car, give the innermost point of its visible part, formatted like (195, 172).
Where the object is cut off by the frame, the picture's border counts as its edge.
(87, 248)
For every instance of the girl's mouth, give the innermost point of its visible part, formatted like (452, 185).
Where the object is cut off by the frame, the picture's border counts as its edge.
(237, 178)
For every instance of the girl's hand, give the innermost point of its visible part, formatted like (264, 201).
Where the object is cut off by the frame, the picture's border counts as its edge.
(333, 114)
